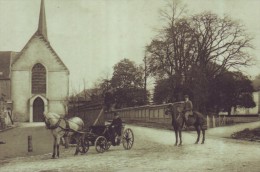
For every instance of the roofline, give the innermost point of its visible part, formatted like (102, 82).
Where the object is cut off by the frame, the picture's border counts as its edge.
(47, 43)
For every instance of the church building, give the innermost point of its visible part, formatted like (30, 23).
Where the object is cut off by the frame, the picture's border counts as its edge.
(35, 79)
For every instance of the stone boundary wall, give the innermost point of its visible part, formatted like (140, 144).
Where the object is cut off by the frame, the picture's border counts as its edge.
(155, 113)
(152, 113)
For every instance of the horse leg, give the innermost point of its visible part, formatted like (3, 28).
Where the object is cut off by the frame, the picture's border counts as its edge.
(180, 135)
(54, 148)
(79, 142)
(58, 146)
(198, 134)
(77, 147)
(203, 136)
(82, 141)
(176, 137)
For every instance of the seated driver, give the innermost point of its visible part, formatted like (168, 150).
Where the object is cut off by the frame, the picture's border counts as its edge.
(115, 128)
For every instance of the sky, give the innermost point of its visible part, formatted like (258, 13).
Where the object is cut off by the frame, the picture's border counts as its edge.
(91, 36)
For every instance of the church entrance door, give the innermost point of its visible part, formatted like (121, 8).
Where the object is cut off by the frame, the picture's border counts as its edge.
(38, 109)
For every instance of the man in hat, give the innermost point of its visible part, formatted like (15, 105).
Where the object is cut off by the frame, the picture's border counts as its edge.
(115, 128)
(187, 110)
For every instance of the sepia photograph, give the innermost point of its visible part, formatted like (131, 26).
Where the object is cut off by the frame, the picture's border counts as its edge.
(129, 85)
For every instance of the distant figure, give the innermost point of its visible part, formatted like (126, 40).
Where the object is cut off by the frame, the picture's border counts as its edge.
(115, 129)
(187, 110)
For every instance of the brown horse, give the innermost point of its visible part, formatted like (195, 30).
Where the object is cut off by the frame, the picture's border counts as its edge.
(198, 121)
(60, 127)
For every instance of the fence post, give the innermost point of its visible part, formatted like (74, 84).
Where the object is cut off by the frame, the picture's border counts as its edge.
(224, 120)
(149, 114)
(158, 110)
(146, 114)
(30, 147)
(208, 122)
(214, 122)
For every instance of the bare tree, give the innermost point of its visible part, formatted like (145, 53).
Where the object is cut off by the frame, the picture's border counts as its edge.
(221, 43)
(195, 49)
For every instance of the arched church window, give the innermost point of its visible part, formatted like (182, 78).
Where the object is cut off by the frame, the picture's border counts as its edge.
(38, 79)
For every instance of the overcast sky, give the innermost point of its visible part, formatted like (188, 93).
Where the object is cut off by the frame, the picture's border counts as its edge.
(90, 36)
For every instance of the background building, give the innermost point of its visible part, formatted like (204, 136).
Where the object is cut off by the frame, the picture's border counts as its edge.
(35, 79)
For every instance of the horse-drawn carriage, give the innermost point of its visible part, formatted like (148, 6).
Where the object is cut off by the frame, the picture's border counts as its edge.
(99, 136)
(102, 138)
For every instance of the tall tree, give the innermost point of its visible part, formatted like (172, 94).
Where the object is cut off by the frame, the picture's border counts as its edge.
(191, 51)
(127, 74)
(221, 43)
(231, 90)
(128, 84)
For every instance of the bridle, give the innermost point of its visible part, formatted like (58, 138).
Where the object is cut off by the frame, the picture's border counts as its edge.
(169, 110)
(48, 124)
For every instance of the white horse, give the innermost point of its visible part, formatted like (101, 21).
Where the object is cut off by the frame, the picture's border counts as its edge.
(61, 127)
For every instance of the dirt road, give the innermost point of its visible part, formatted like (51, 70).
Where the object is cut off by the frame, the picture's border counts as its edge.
(153, 150)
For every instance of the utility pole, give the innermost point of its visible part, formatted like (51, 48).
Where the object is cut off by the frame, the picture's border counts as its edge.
(145, 76)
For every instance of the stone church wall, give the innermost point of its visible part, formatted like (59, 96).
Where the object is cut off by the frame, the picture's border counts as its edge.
(57, 79)
(58, 86)
(21, 93)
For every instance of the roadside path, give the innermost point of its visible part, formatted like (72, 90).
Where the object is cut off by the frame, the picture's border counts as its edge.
(153, 150)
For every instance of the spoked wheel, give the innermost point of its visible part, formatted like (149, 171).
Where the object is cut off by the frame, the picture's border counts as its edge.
(128, 139)
(83, 145)
(101, 144)
(108, 145)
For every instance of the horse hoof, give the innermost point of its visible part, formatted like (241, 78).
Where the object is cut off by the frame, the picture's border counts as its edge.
(202, 142)
(175, 144)
(196, 142)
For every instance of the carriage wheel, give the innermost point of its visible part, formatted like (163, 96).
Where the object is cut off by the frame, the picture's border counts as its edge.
(108, 145)
(101, 144)
(128, 139)
(83, 146)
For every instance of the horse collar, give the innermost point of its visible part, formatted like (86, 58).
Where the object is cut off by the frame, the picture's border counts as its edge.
(54, 126)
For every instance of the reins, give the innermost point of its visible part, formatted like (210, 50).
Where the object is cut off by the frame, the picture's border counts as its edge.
(48, 126)
(67, 128)
(172, 114)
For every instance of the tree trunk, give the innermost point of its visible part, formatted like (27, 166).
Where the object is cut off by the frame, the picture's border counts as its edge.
(229, 111)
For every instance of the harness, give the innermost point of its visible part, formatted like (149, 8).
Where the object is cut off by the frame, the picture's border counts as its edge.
(48, 125)
(179, 114)
(52, 127)
(67, 128)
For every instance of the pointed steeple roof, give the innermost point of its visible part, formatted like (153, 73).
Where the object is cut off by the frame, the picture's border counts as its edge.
(41, 35)
(42, 26)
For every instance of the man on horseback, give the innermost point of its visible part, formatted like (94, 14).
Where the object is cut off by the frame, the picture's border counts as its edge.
(115, 129)
(187, 110)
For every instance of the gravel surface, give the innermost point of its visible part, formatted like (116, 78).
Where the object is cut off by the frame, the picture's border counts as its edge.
(153, 150)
